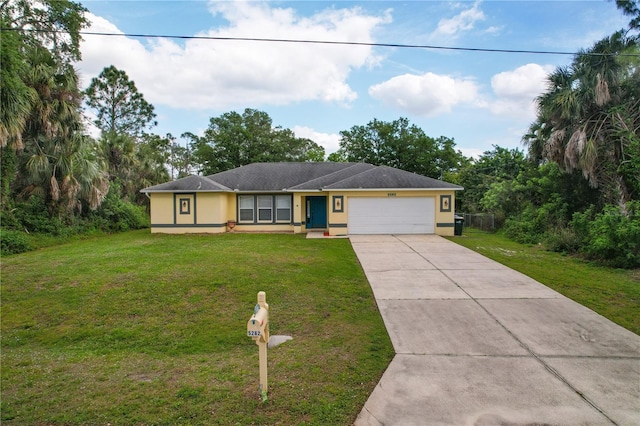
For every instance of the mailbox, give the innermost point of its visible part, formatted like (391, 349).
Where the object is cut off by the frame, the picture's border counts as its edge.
(258, 330)
(258, 325)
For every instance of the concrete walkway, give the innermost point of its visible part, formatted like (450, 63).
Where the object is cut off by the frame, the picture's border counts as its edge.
(480, 344)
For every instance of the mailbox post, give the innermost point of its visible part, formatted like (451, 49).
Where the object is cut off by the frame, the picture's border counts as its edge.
(258, 330)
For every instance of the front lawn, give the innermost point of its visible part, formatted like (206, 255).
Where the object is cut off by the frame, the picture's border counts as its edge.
(137, 328)
(613, 293)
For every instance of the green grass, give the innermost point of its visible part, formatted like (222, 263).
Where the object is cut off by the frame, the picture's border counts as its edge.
(137, 328)
(613, 293)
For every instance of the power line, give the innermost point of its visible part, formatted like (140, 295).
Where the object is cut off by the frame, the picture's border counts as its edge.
(342, 43)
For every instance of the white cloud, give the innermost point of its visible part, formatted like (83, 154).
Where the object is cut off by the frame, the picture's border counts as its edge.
(452, 28)
(98, 51)
(329, 141)
(471, 152)
(426, 95)
(430, 94)
(204, 74)
(516, 90)
(494, 30)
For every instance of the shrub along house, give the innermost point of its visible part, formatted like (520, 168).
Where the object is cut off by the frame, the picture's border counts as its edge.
(338, 198)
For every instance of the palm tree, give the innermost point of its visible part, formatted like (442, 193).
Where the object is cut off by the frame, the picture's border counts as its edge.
(56, 110)
(118, 150)
(16, 97)
(66, 173)
(58, 162)
(589, 117)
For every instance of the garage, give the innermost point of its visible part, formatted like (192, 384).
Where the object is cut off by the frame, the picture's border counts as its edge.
(393, 215)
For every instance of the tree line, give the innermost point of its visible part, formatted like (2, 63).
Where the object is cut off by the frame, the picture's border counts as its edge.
(574, 188)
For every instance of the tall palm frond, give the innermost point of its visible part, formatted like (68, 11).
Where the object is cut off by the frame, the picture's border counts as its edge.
(16, 98)
(590, 114)
(58, 161)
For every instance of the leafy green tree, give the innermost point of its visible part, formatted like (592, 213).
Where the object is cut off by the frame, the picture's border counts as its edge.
(288, 147)
(56, 110)
(119, 107)
(54, 24)
(16, 100)
(399, 144)
(8, 170)
(18, 20)
(180, 161)
(486, 179)
(531, 200)
(337, 157)
(16, 97)
(135, 159)
(544, 197)
(201, 152)
(158, 150)
(449, 161)
(589, 118)
(40, 107)
(134, 165)
(610, 236)
(67, 173)
(155, 157)
(587, 130)
(372, 143)
(119, 152)
(234, 140)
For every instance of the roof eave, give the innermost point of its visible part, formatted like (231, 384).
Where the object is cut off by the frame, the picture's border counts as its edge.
(271, 191)
(182, 191)
(260, 191)
(393, 189)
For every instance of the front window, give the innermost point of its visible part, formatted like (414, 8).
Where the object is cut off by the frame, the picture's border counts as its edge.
(265, 208)
(283, 208)
(245, 203)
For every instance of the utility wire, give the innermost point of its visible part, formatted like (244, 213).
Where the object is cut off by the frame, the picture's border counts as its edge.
(343, 43)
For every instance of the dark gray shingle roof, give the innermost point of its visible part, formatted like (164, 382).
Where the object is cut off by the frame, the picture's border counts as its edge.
(276, 177)
(384, 177)
(188, 184)
(324, 181)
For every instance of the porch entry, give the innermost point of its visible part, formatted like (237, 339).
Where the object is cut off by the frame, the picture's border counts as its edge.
(316, 212)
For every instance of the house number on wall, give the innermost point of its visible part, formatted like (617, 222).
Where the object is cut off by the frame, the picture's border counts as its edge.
(391, 194)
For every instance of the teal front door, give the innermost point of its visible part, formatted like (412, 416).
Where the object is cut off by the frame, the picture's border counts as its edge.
(316, 212)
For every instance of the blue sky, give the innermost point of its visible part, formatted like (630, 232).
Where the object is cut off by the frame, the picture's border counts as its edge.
(479, 99)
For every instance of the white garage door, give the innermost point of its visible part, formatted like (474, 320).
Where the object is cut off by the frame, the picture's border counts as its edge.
(402, 215)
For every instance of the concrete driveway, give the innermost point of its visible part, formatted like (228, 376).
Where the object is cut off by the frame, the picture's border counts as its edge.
(480, 344)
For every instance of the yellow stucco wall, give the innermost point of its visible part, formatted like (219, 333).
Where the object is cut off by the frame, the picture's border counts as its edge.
(188, 213)
(212, 208)
(161, 208)
(209, 212)
(298, 212)
(232, 206)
